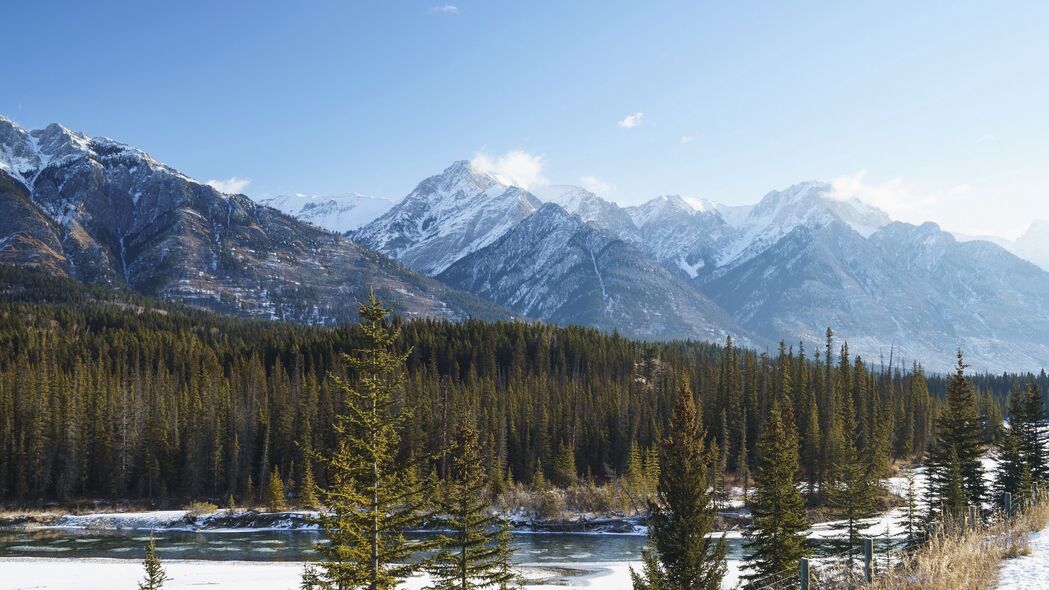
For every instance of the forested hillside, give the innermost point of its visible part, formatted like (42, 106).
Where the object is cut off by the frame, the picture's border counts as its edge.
(108, 395)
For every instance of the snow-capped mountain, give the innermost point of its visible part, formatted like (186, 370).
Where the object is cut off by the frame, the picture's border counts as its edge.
(811, 204)
(107, 213)
(340, 213)
(555, 267)
(446, 217)
(1033, 245)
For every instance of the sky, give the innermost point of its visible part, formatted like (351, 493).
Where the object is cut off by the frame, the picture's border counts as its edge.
(930, 110)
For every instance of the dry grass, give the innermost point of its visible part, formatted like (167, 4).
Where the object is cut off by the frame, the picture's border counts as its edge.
(967, 558)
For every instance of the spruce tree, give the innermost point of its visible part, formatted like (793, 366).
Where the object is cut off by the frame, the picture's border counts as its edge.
(308, 487)
(474, 548)
(274, 496)
(910, 519)
(155, 576)
(679, 555)
(1011, 457)
(370, 499)
(959, 446)
(1032, 441)
(775, 541)
(852, 494)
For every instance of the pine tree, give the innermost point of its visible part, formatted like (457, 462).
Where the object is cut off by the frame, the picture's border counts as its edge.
(958, 446)
(679, 555)
(775, 540)
(1032, 441)
(472, 551)
(369, 500)
(1011, 459)
(155, 576)
(565, 466)
(308, 491)
(909, 521)
(274, 496)
(853, 493)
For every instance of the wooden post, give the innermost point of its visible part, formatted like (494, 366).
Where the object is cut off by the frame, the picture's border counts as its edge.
(868, 559)
(803, 573)
(1007, 503)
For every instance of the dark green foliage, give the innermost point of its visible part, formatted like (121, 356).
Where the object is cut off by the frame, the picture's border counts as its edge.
(475, 553)
(775, 541)
(679, 555)
(115, 396)
(957, 451)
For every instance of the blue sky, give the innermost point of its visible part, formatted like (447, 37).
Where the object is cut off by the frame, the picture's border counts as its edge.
(931, 110)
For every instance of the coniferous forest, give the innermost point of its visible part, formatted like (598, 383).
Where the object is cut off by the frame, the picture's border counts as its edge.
(113, 396)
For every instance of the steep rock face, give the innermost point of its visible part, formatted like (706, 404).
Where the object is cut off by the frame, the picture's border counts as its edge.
(556, 268)
(107, 213)
(446, 217)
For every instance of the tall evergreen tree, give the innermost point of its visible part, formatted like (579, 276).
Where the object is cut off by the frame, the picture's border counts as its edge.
(959, 446)
(775, 540)
(371, 499)
(1032, 440)
(910, 520)
(473, 550)
(679, 555)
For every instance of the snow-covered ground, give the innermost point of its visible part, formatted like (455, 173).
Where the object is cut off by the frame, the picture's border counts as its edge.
(105, 574)
(1030, 571)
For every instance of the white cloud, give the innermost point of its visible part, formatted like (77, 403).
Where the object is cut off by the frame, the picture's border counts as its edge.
(232, 185)
(688, 138)
(895, 197)
(960, 189)
(631, 121)
(445, 9)
(516, 167)
(595, 185)
(988, 137)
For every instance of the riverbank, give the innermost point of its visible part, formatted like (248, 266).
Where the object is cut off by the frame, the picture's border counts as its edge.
(250, 520)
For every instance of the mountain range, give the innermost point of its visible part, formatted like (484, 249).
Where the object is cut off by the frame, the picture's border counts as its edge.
(464, 244)
(106, 213)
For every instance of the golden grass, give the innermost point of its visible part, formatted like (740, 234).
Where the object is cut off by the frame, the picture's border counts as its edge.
(967, 558)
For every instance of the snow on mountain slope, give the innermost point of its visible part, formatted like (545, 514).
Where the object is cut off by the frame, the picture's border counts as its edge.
(340, 213)
(446, 217)
(555, 267)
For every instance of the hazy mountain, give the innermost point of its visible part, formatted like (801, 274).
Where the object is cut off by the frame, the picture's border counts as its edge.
(555, 267)
(912, 288)
(340, 213)
(446, 217)
(107, 213)
(1033, 245)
